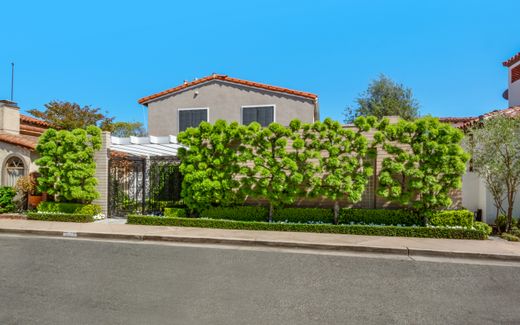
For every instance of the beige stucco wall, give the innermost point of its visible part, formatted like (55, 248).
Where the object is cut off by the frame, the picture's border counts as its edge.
(8, 150)
(224, 101)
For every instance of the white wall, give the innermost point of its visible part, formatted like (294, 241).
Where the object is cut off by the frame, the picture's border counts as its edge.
(514, 88)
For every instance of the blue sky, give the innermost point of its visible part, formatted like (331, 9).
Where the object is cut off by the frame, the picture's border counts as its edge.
(108, 54)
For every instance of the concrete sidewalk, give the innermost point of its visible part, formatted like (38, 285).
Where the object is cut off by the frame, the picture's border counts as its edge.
(496, 249)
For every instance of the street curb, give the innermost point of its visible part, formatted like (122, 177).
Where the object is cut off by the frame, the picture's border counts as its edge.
(404, 251)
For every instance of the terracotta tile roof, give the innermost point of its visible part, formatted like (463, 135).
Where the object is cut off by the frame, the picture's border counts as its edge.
(509, 62)
(25, 141)
(457, 121)
(510, 112)
(31, 130)
(146, 99)
(32, 120)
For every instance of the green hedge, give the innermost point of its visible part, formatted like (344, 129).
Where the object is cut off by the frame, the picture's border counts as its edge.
(64, 217)
(175, 212)
(379, 217)
(304, 215)
(462, 218)
(426, 232)
(71, 208)
(240, 213)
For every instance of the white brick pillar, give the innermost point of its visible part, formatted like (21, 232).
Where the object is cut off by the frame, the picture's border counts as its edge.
(101, 159)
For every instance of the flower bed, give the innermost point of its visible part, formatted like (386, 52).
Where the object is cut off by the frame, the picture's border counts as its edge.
(476, 232)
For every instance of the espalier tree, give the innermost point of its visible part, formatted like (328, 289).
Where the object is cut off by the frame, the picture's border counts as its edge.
(274, 173)
(211, 164)
(344, 163)
(66, 164)
(425, 163)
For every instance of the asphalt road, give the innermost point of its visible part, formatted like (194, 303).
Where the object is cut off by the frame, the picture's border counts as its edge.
(73, 281)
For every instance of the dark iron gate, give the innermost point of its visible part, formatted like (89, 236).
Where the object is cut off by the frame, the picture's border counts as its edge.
(142, 185)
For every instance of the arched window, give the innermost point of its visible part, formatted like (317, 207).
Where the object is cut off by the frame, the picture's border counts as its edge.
(14, 169)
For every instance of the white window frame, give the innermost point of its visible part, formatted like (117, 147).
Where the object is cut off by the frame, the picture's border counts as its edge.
(189, 109)
(263, 105)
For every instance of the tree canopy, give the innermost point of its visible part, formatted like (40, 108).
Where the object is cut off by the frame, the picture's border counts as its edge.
(125, 129)
(69, 116)
(384, 97)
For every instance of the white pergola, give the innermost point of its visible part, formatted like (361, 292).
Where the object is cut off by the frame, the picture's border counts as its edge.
(146, 146)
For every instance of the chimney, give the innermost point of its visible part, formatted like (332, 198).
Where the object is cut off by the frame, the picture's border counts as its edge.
(513, 90)
(9, 117)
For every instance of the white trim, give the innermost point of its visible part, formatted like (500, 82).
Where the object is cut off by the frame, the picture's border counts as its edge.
(261, 105)
(230, 83)
(189, 109)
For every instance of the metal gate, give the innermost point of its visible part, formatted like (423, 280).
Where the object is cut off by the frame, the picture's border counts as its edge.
(142, 185)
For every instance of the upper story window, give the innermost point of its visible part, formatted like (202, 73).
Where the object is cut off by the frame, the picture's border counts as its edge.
(515, 73)
(191, 117)
(261, 114)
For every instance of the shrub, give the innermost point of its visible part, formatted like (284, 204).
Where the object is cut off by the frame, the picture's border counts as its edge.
(426, 232)
(64, 217)
(71, 208)
(240, 213)
(175, 212)
(6, 199)
(380, 217)
(462, 218)
(509, 237)
(304, 215)
(483, 227)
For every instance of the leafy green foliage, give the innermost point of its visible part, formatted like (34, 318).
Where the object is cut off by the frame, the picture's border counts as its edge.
(67, 165)
(344, 160)
(383, 98)
(380, 217)
(494, 146)
(274, 174)
(425, 163)
(6, 199)
(211, 165)
(73, 208)
(509, 237)
(462, 218)
(175, 212)
(63, 217)
(125, 129)
(425, 232)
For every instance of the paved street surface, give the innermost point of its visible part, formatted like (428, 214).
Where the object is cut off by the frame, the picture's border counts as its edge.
(73, 281)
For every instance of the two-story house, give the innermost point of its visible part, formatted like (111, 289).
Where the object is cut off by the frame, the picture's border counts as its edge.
(221, 97)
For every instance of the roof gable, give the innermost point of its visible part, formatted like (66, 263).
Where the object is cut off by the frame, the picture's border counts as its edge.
(225, 78)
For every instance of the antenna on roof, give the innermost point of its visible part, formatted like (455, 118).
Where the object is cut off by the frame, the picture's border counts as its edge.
(12, 81)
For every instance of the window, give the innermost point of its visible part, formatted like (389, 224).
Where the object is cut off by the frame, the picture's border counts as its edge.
(191, 117)
(14, 169)
(515, 73)
(261, 114)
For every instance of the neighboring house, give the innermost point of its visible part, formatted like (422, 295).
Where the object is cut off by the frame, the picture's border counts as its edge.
(475, 195)
(18, 138)
(221, 97)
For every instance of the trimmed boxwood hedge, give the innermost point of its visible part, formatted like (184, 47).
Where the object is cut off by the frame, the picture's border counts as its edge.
(380, 217)
(175, 212)
(304, 215)
(462, 218)
(66, 207)
(426, 232)
(64, 217)
(239, 213)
